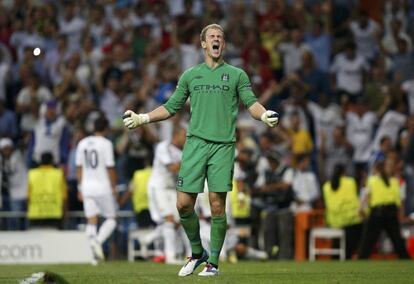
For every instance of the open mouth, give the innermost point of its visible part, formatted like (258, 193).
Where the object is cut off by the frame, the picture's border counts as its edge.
(216, 46)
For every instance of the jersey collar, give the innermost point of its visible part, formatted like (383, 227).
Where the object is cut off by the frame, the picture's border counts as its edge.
(215, 68)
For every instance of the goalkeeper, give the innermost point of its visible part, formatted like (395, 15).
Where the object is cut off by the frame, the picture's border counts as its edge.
(215, 89)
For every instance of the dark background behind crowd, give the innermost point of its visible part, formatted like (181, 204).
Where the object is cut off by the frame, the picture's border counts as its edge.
(339, 72)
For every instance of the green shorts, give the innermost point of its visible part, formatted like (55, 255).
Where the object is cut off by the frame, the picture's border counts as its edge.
(206, 159)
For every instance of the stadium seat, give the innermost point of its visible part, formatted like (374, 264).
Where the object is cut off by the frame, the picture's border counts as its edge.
(140, 235)
(330, 234)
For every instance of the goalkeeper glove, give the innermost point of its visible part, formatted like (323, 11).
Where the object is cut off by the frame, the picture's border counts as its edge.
(270, 118)
(133, 120)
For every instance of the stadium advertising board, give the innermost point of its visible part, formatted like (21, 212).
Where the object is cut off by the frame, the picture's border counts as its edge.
(34, 247)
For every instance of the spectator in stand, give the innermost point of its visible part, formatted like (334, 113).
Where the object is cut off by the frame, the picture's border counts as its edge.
(4, 72)
(14, 180)
(252, 45)
(71, 25)
(408, 87)
(315, 80)
(403, 60)
(393, 120)
(301, 140)
(50, 134)
(320, 43)
(272, 34)
(377, 86)
(385, 147)
(295, 102)
(292, 50)
(304, 184)
(389, 41)
(366, 34)
(8, 122)
(395, 10)
(360, 127)
(258, 71)
(55, 58)
(29, 99)
(72, 79)
(112, 101)
(96, 24)
(339, 151)
(326, 116)
(348, 72)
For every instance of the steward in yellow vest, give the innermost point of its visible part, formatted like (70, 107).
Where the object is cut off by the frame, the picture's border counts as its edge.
(384, 201)
(240, 201)
(342, 205)
(46, 193)
(138, 192)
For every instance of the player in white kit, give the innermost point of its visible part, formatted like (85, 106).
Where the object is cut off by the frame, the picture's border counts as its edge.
(95, 170)
(162, 193)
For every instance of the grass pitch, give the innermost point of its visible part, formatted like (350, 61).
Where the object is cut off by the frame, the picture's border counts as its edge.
(242, 272)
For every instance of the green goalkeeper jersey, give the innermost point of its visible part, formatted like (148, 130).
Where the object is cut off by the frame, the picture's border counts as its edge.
(214, 100)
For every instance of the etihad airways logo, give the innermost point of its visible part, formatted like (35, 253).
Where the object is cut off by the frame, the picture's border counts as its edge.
(211, 88)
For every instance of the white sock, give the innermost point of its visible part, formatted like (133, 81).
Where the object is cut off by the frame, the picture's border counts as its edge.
(252, 253)
(108, 226)
(154, 234)
(169, 236)
(90, 230)
(182, 237)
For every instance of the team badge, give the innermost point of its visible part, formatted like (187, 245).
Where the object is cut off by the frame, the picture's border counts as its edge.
(225, 77)
(180, 181)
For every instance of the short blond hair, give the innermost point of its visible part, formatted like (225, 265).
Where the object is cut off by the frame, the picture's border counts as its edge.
(211, 26)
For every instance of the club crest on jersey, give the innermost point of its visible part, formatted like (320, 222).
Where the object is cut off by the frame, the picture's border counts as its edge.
(225, 77)
(180, 181)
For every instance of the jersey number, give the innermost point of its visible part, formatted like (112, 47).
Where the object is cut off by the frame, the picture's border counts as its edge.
(91, 159)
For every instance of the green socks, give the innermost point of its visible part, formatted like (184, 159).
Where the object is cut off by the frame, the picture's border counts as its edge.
(191, 226)
(217, 235)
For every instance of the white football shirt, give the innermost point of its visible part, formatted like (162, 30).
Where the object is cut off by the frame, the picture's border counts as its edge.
(165, 154)
(349, 72)
(408, 87)
(360, 133)
(365, 38)
(95, 154)
(391, 123)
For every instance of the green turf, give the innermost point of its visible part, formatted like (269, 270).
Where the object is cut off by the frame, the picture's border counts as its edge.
(243, 272)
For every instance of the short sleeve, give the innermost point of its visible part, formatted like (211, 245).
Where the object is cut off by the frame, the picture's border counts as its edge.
(180, 95)
(109, 156)
(78, 156)
(288, 176)
(244, 89)
(163, 154)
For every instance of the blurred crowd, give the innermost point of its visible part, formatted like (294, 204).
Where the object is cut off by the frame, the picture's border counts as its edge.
(339, 72)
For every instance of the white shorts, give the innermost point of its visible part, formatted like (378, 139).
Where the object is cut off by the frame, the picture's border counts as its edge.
(162, 203)
(101, 205)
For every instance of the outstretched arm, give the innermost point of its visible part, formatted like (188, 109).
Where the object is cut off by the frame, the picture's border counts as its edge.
(258, 112)
(133, 120)
(174, 104)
